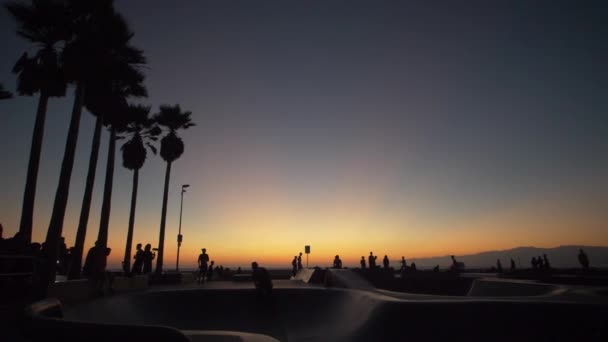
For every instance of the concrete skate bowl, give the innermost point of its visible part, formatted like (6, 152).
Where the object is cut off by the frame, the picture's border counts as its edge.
(310, 314)
(321, 314)
(421, 282)
(511, 288)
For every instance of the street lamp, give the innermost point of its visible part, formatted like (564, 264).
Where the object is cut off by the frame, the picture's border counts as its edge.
(179, 234)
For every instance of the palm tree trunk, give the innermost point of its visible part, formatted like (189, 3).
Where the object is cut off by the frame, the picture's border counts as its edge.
(163, 219)
(63, 189)
(104, 222)
(76, 260)
(127, 262)
(27, 210)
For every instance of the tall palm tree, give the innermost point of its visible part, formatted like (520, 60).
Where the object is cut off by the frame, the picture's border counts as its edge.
(171, 148)
(4, 94)
(142, 132)
(96, 27)
(125, 80)
(45, 24)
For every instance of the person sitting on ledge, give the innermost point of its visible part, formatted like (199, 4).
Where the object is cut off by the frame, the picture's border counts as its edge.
(337, 262)
(261, 280)
(362, 262)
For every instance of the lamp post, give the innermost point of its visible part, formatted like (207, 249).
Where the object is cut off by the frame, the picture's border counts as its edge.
(179, 234)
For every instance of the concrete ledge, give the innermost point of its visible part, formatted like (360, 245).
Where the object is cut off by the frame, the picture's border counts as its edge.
(71, 290)
(504, 288)
(223, 336)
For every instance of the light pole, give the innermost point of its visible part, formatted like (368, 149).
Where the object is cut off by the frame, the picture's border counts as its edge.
(179, 234)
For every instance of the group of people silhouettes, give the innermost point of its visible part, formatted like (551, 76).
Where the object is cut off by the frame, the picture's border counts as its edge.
(540, 263)
(143, 259)
(296, 264)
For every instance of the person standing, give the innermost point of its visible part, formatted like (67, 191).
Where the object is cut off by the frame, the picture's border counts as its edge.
(583, 259)
(513, 267)
(139, 260)
(294, 265)
(403, 264)
(372, 261)
(385, 262)
(546, 262)
(203, 259)
(362, 262)
(300, 261)
(498, 266)
(148, 257)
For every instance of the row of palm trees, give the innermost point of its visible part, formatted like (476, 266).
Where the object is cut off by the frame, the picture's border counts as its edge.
(87, 44)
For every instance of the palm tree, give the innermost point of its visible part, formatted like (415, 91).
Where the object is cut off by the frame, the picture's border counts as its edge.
(4, 94)
(45, 24)
(171, 148)
(143, 132)
(106, 99)
(91, 52)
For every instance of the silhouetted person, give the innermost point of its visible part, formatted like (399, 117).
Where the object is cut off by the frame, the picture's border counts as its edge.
(457, 266)
(413, 267)
(261, 280)
(372, 260)
(362, 262)
(583, 259)
(513, 265)
(203, 259)
(403, 264)
(138, 264)
(436, 268)
(498, 266)
(238, 270)
(148, 257)
(300, 261)
(337, 262)
(539, 261)
(546, 262)
(95, 265)
(534, 263)
(294, 265)
(210, 270)
(385, 262)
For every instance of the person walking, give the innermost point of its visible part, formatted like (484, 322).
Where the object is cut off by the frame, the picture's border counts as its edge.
(294, 266)
(203, 259)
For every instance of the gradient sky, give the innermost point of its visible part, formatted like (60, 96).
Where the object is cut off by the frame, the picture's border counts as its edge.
(407, 128)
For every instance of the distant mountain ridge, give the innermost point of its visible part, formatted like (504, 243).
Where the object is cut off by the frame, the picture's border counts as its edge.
(561, 257)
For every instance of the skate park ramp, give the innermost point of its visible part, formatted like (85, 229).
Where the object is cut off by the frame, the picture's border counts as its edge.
(330, 314)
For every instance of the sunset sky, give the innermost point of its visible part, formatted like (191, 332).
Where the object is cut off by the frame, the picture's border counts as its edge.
(410, 128)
